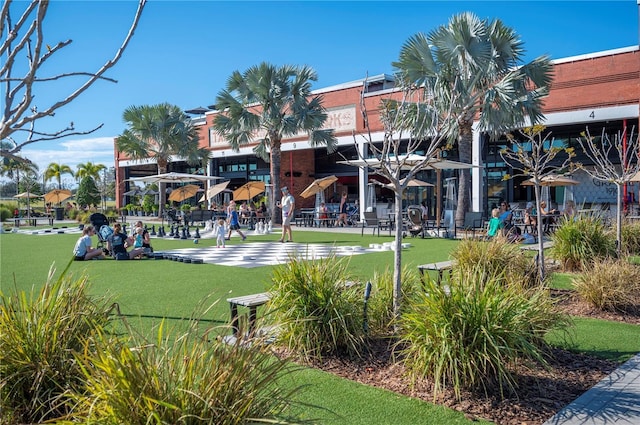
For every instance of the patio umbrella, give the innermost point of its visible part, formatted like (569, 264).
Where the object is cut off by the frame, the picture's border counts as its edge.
(318, 185)
(553, 181)
(248, 190)
(412, 183)
(136, 191)
(57, 195)
(406, 162)
(184, 192)
(27, 195)
(214, 190)
(174, 178)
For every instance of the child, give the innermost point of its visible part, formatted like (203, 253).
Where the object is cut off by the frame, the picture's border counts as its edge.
(495, 223)
(220, 234)
(139, 238)
(83, 249)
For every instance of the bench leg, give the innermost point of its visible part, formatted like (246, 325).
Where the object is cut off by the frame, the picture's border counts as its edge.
(234, 319)
(252, 319)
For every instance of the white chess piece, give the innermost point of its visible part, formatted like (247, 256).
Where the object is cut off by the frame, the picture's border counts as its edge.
(260, 228)
(269, 227)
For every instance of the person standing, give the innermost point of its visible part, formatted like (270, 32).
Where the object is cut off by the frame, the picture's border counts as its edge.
(287, 204)
(220, 232)
(83, 250)
(234, 220)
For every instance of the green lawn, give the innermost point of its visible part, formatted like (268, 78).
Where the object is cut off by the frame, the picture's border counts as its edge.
(151, 290)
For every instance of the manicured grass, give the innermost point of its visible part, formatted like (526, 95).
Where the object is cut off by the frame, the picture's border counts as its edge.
(151, 290)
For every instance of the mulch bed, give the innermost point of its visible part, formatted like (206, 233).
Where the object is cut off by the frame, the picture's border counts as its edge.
(541, 392)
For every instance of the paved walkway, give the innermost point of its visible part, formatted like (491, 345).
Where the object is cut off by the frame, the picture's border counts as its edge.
(614, 400)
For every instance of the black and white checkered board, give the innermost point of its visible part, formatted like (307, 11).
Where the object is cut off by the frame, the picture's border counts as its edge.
(258, 254)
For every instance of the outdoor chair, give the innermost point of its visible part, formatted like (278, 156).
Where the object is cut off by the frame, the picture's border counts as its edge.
(473, 223)
(371, 220)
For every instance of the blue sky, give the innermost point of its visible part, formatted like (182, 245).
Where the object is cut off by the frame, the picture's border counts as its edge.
(184, 51)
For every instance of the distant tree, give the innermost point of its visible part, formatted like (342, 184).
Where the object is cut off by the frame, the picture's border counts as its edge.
(24, 40)
(474, 69)
(160, 132)
(89, 169)
(55, 171)
(87, 194)
(537, 155)
(16, 167)
(615, 162)
(267, 103)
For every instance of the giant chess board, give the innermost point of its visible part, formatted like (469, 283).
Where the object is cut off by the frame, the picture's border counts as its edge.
(258, 254)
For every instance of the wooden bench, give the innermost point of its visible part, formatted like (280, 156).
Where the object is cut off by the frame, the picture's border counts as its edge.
(252, 302)
(439, 267)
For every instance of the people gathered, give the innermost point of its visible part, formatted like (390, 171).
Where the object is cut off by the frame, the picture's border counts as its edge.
(119, 243)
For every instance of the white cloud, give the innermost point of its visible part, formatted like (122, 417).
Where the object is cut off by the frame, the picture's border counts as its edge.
(98, 150)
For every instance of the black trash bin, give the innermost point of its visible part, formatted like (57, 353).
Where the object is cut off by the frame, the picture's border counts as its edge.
(59, 213)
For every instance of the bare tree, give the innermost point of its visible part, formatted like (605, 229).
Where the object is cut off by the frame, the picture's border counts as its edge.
(536, 156)
(24, 48)
(411, 143)
(616, 161)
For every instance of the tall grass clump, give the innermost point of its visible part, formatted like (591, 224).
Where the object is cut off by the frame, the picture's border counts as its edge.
(631, 237)
(182, 379)
(497, 258)
(39, 334)
(380, 306)
(610, 284)
(315, 311)
(471, 331)
(579, 241)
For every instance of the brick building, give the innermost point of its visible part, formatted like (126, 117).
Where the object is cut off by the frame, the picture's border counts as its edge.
(600, 90)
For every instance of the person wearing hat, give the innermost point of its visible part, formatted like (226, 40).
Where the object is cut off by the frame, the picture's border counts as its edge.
(287, 204)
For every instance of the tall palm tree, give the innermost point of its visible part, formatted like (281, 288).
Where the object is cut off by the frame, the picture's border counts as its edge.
(89, 169)
(55, 171)
(160, 132)
(473, 69)
(267, 103)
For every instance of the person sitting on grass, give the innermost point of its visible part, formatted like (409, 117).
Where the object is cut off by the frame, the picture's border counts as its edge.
(83, 250)
(118, 243)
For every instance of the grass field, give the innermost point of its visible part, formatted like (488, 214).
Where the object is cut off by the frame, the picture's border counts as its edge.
(149, 291)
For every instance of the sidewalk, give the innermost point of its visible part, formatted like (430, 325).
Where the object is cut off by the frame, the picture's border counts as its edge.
(613, 400)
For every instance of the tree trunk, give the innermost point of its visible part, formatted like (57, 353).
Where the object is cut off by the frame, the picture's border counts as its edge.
(465, 144)
(276, 156)
(540, 256)
(619, 222)
(162, 168)
(397, 258)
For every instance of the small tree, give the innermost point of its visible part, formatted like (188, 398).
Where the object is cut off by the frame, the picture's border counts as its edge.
(616, 161)
(412, 140)
(88, 193)
(535, 157)
(25, 41)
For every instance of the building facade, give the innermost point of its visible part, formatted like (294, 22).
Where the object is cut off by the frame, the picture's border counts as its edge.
(600, 91)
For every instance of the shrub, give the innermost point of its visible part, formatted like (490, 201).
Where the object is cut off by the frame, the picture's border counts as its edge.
(610, 284)
(5, 213)
(316, 312)
(468, 333)
(631, 237)
(580, 241)
(181, 379)
(498, 258)
(380, 306)
(38, 336)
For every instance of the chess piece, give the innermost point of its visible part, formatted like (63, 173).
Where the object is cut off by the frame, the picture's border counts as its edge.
(188, 233)
(124, 228)
(197, 235)
(260, 228)
(184, 233)
(161, 232)
(153, 230)
(172, 233)
(269, 227)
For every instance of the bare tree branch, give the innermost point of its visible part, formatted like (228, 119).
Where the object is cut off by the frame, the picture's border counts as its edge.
(19, 113)
(618, 171)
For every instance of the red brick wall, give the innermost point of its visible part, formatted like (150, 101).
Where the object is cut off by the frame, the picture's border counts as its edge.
(611, 80)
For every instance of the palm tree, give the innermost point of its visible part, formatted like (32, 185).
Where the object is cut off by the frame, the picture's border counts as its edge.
(473, 69)
(161, 132)
(15, 167)
(55, 171)
(267, 103)
(89, 169)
